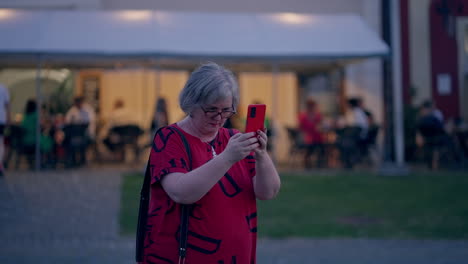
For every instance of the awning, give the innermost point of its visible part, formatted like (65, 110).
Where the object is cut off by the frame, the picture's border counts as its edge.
(89, 36)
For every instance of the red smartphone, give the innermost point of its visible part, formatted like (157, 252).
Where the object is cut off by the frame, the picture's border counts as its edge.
(255, 118)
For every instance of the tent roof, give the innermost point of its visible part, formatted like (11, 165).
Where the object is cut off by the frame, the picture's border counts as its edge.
(78, 36)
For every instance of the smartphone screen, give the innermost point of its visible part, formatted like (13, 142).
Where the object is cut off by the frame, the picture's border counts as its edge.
(255, 118)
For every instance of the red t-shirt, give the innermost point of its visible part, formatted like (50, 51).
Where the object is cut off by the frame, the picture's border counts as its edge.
(223, 223)
(310, 128)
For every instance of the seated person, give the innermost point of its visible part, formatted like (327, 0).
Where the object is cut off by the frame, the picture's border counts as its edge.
(356, 117)
(28, 126)
(119, 117)
(430, 127)
(310, 122)
(80, 114)
(432, 130)
(80, 117)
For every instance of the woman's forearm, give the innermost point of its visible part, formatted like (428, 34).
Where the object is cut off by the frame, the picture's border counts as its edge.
(267, 181)
(187, 188)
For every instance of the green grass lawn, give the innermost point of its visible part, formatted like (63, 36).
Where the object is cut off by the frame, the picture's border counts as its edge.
(424, 206)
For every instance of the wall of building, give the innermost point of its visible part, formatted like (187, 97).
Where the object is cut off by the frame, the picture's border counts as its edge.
(462, 40)
(419, 39)
(444, 56)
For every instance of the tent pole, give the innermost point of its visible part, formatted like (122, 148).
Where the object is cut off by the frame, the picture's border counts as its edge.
(393, 158)
(274, 112)
(38, 111)
(397, 86)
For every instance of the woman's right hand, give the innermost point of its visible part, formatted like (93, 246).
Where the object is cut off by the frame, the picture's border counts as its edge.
(240, 145)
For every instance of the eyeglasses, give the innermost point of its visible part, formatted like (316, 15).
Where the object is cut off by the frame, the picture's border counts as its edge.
(214, 112)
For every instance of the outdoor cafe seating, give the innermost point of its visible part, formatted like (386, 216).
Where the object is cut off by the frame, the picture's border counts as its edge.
(124, 137)
(341, 147)
(76, 142)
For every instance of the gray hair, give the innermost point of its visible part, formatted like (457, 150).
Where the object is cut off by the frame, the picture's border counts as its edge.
(207, 85)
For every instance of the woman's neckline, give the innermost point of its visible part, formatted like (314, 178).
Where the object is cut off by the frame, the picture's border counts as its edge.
(211, 141)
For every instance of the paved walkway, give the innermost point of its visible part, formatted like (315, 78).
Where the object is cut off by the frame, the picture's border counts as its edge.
(72, 217)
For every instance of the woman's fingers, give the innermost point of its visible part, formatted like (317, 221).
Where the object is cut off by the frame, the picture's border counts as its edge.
(262, 134)
(262, 140)
(245, 139)
(241, 144)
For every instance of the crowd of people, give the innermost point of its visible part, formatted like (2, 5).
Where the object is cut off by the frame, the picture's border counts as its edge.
(348, 139)
(442, 141)
(65, 139)
(352, 135)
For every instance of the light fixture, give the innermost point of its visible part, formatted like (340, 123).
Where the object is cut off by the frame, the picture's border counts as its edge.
(293, 18)
(135, 15)
(6, 13)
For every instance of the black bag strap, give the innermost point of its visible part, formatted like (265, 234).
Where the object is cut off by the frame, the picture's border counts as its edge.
(185, 208)
(144, 205)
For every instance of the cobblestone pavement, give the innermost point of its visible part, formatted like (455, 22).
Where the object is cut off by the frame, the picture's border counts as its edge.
(72, 217)
(68, 216)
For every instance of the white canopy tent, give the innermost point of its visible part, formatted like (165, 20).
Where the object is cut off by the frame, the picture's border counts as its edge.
(78, 36)
(181, 39)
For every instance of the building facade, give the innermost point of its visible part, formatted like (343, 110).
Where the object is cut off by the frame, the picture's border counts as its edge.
(434, 41)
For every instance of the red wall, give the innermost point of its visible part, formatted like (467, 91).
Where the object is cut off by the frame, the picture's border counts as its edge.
(444, 55)
(405, 52)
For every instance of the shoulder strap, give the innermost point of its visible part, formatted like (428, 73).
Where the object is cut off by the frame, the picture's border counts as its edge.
(144, 205)
(185, 208)
(186, 145)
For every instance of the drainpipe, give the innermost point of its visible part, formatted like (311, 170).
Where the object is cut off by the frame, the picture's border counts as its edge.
(397, 85)
(393, 156)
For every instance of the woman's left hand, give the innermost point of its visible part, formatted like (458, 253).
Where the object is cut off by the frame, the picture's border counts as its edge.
(262, 140)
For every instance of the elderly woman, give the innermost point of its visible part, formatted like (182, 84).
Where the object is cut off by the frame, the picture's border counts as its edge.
(230, 170)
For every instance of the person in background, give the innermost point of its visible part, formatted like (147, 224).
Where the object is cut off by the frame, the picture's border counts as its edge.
(433, 110)
(4, 121)
(367, 112)
(80, 132)
(433, 133)
(161, 116)
(310, 122)
(368, 142)
(59, 153)
(28, 125)
(428, 124)
(29, 130)
(230, 170)
(82, 113)
(120, 116)
(357, 117)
